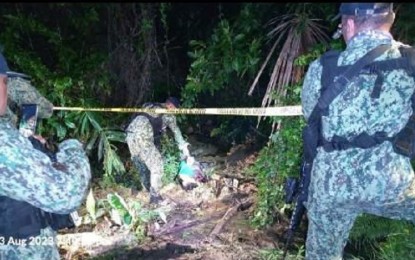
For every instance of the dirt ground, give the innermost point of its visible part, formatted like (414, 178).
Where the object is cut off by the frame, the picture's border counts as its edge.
(208, 222)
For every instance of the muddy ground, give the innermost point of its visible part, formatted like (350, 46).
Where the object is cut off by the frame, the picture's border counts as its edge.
(208, 222)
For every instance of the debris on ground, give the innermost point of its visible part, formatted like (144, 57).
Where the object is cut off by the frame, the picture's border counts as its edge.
(210, 221)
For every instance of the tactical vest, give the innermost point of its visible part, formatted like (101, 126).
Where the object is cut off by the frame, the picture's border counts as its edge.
(21, 220)
(404, 141)
(156, 122)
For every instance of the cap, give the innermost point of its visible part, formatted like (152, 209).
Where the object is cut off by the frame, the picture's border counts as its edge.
(13, 74)
(174, 101)
(3, 65)
(357, 9)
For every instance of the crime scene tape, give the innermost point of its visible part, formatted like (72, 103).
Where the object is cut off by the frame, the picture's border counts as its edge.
(244, 111)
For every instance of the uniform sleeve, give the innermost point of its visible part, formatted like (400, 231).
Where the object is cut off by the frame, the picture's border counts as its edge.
(28, 175)
(171, 123)
(311, 88)
(11, 116)
(21, 91)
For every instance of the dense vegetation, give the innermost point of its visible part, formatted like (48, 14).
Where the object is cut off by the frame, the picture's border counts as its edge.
(209, 55)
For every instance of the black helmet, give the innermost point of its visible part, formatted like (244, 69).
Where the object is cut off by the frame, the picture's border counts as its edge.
(174, 101)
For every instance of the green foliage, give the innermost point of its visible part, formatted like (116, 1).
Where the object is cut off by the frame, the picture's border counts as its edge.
(289, 143)
(171, 158)
(108, 151)
(120, 213)
(127, 213)
(98, 138)
(376, 237)
(399, 244)
(274, 164)
(70, 64)
(221, 63)
(312, 55)
(270, 192)
(91, 206)
(131, 214)
(279, 160)
(370, 227)
(282, 157)
(72, 69)
(316, 51)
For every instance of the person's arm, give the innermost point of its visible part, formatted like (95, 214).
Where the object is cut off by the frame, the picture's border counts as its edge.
(29, 175)
(171, 123)
(311, 88)
(21, 92)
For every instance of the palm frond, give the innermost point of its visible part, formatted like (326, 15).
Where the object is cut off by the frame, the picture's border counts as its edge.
(295, 33)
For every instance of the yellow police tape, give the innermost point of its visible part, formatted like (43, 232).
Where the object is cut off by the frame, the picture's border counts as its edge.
(243, 111)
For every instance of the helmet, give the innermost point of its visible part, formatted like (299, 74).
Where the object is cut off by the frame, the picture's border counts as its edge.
(174, 101)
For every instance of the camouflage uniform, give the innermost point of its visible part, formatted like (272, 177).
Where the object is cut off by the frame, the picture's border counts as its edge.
(20, 91)
(28, 175)
(347, 183)
(140, 140)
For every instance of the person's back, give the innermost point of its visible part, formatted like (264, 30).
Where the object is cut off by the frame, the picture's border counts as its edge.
(348, 182)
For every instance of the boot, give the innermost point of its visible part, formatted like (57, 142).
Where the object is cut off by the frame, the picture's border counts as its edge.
(155, 197)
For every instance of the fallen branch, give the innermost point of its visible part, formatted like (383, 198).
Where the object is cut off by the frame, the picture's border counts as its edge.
(181, 227)
(238, 177)
(93, 244)
(228, 215)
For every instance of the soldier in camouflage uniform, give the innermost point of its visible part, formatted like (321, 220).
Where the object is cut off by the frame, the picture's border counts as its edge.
(28, 175)
(141, 139)
(347, 183)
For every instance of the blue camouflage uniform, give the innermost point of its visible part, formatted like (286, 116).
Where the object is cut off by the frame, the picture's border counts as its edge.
(28, 175)
(347, 183)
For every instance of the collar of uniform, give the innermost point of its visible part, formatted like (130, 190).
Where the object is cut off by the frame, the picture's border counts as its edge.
(369, 38)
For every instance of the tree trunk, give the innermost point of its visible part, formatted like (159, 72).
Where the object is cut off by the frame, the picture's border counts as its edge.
(132, 51)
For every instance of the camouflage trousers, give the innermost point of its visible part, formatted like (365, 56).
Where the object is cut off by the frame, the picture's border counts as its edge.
(144, 154)
(338, 194)
(143, 171)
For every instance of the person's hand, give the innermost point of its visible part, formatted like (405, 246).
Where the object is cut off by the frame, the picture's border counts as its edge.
(40, 138)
